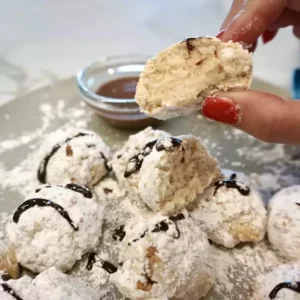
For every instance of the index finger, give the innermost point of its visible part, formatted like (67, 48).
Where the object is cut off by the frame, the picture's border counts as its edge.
(253, 19)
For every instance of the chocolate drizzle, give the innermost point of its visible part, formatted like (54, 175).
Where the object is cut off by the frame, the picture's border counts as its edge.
(107, 167)
(135, 162)
(163, 226)
(233, 184)
(107, 266)
(42, 171)
(42, 203)
(84, 191)
(189, 45)
(5, 277)
(119, 233)
(161, 144)
(10, 291)
(294, 286)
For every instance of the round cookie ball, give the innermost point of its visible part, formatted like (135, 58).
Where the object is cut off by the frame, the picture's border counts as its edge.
(283, 283)
(175, 171)
(74, 155)
(177, 80)
(52, 284)
(164, 258)
(55, 227)
(137, 143)
(232, 213)
(284, 222)
(17, 289)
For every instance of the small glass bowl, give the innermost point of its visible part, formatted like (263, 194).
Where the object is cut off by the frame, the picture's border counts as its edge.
(122, 113)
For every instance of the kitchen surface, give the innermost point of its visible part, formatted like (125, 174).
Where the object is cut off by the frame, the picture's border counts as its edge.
(45, 41)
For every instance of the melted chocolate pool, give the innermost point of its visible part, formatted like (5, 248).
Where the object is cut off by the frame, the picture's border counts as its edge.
(122, 88)
(42, 203)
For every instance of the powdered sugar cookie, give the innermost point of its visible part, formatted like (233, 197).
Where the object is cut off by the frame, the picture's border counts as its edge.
(232, 213)
(164, 258)
(284, 222)
(74, 155)
(176, 170)
(176, 81)
(52, 284)
(55, 226)
(283, 283)
(17, 289)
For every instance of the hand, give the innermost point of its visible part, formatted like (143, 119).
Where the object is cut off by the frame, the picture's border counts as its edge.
(263, 115)
(249, 19)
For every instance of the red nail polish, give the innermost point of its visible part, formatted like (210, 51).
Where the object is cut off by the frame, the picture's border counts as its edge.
(269, 35)
(219, 35)
(221, 110)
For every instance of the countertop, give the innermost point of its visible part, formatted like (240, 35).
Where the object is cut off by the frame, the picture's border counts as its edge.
(45, 41)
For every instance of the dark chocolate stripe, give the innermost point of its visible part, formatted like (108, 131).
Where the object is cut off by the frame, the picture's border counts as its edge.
(107, 266)
(163, 226)
(79, 189)
(42, 203)
(137, 160)
(42, 171)
(73, 187)
(107, 167)
(232, 184)
(10, 291)
(294, 286)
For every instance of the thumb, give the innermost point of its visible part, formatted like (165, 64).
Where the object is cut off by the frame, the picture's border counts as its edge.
(265, 116)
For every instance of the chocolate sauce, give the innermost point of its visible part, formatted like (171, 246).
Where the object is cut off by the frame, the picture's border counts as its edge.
(136, 161)
(79, 189)
(294, 286)
(107, 266)
(5, 277)
(42, 171)
(190, 47)
(107, 167)
(74, 187)
(163, 226)
(10, 291)
(232, 184)
(119, 233)
(160, 145)
(42, 203)
(122, 88)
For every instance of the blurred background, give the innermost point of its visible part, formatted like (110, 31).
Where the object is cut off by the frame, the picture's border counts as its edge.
(42, 41)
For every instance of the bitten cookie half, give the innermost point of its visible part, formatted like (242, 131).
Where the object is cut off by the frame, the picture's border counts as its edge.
(176, 81)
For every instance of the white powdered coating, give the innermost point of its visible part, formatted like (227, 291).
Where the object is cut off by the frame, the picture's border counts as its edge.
(132, 147)
(284, 222)
(237, 270)
(52, 284)
(228, 217)
(22, 287)
(43, 238)
(283, 273)
(181, 268)
(176, 81)
(171, 179)
(81, 160)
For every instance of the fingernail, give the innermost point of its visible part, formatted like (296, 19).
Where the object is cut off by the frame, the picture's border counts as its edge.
(269, 35)
(221, 110)
(219, 35)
